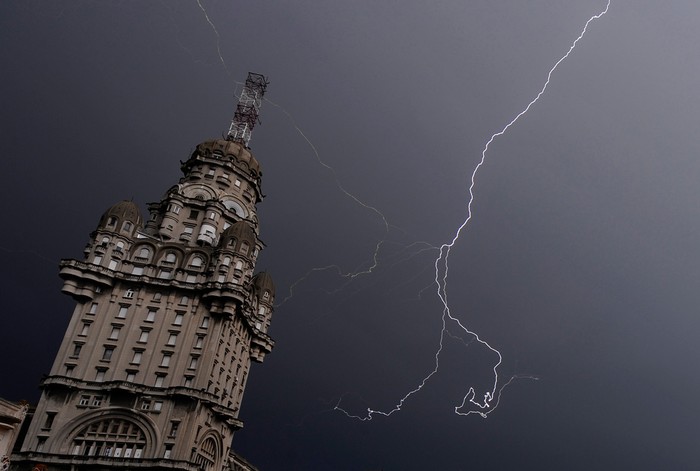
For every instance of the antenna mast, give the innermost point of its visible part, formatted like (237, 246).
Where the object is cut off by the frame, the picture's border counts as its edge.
(246, 115)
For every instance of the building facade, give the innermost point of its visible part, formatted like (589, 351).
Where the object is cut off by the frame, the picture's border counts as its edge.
(169, 315)
(11, 418)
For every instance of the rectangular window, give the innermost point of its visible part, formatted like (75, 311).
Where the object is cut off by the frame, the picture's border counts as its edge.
(107, 354)
(191, 279)
(178, 319)
(193, 363)
(168, 451)
(205, 322)
(100, 376)
(237, 182)
(48, 423)
(97, 401)
(112, 264)
(93, 308)
(97, 260)
(199, 342)
(69, 370)
(157, 296)
(84, 400)
(166, 360)
(165, 274)
(130, 377)
(137, 271)
(136, 360)
(194, 214)
(76, 349)
(40, 444)
(159, 381)
(158, 406)
(144, 336)
(122, 312)
(184, 300)
(151, 316)
(114, 335)
(174, 426)
(172, 338)
(146, 404)
(188, 381)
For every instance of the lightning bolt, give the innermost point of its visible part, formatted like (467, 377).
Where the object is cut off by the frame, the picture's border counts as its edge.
(375, 256)
(218, 38)
(490, 399)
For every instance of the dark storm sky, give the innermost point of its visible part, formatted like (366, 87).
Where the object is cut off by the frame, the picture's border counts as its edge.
(581, 263)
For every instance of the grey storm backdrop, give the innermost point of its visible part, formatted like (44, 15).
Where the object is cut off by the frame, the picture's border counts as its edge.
(581, 263)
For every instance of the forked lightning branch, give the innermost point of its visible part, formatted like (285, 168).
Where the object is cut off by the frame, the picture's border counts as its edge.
(472, 402)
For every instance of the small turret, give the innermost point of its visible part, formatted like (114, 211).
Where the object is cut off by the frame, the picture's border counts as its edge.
(124, 217)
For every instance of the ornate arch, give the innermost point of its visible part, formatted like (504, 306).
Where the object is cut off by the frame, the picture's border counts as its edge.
(116, 432)
(208, 453)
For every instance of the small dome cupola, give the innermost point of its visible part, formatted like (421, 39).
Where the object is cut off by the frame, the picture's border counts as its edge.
(124, 215)
(240, 238)
(263, 287)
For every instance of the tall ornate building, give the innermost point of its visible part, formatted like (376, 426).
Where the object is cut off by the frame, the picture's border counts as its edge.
(168, 316)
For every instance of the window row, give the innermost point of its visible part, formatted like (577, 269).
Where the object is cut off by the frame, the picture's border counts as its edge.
(158, 381)
(143, 338)
(195, 262)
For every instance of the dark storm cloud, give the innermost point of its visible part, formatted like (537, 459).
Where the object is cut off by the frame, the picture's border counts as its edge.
(580, 264)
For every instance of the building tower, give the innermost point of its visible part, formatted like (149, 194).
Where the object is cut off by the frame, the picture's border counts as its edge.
(168, 316)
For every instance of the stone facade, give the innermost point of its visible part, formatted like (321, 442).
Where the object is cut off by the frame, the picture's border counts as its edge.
(11, 418)
(169, 314)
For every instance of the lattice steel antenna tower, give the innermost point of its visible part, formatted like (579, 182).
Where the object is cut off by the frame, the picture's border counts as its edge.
(246, 115)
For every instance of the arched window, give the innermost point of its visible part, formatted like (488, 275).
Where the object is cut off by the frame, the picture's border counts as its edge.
(239, 265)
(244, 248)
(197, 261)
(120, 438)
(226, 261)
(207, 454)
(111, 221)
(231, 242)
(119, 247)
(144, 252)
(105, 241)
(127, 226)
(170, 257)
(266, 295)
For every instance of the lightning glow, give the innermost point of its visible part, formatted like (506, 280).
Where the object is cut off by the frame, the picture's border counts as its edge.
(490, 399)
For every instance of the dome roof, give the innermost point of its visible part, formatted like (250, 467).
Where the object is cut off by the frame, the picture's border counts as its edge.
(241, 231)
(263, 281)
(123, 211)
(233, 150)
